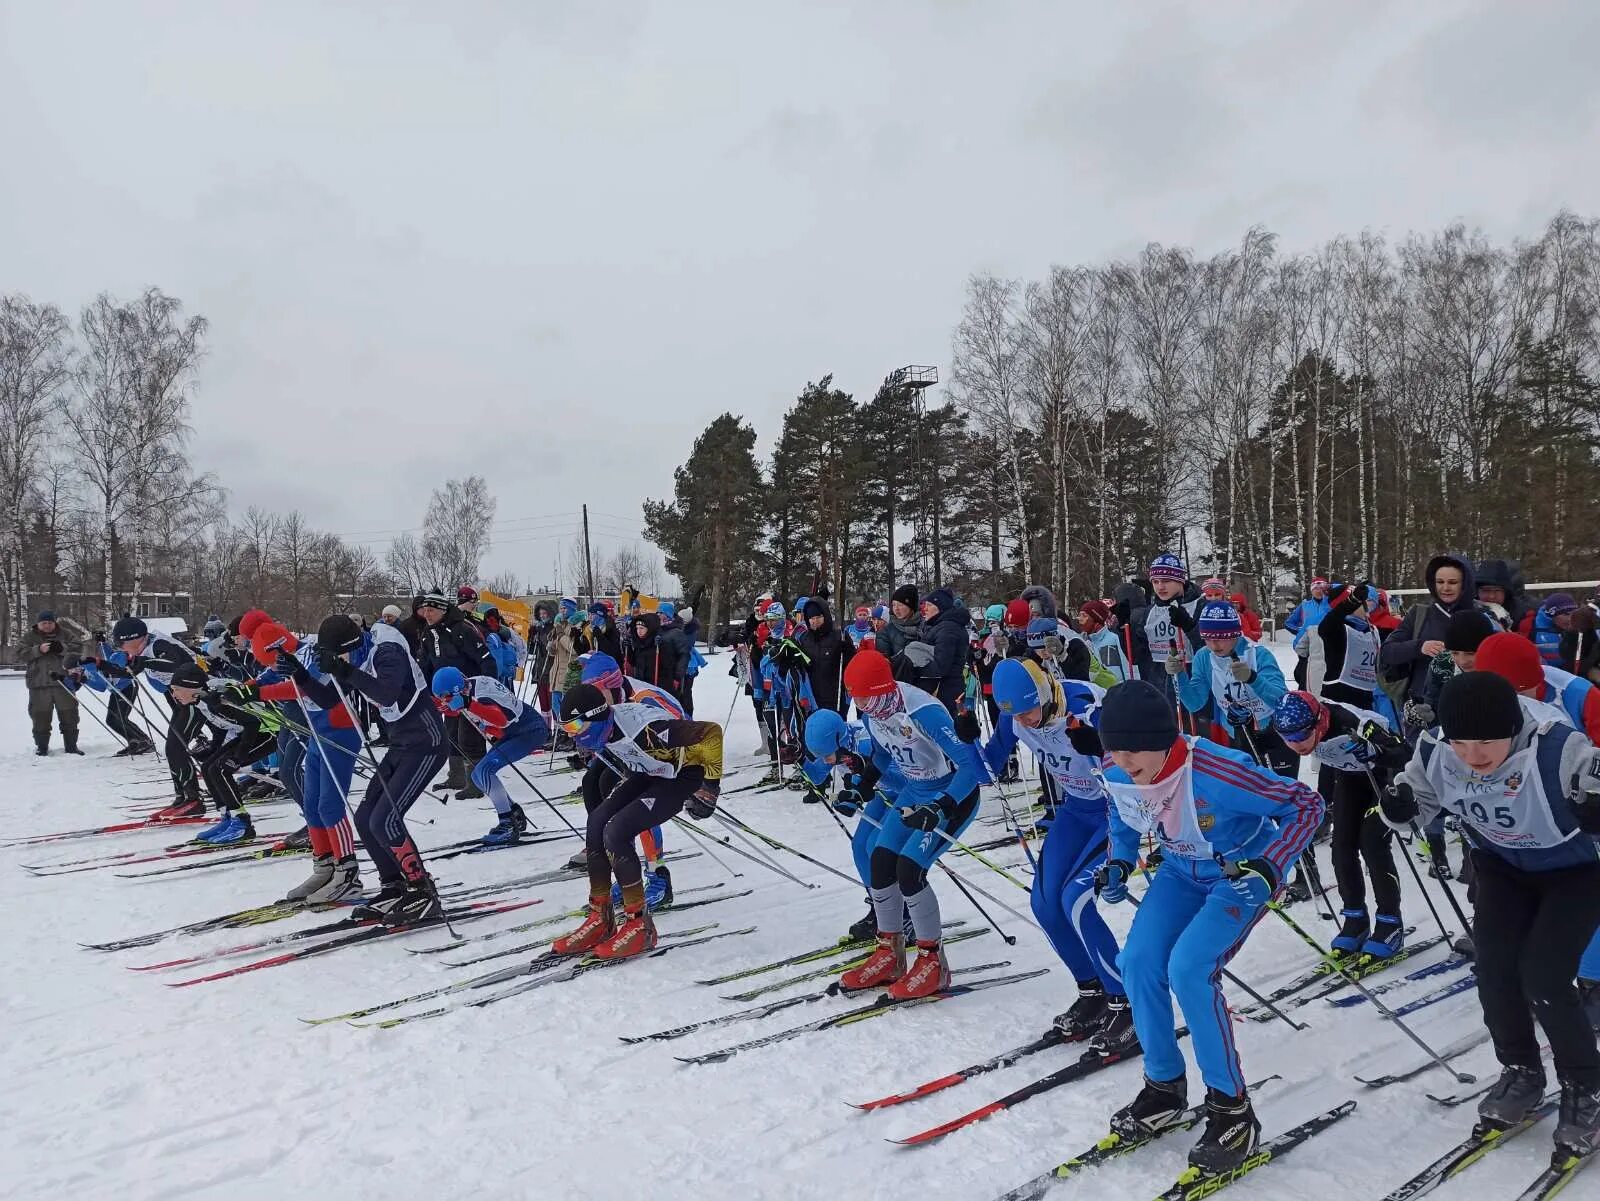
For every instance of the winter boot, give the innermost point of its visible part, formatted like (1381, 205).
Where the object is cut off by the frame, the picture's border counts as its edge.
(1231, 1135)
(1589, 998)
(1514, 1096)
(1160, 1103)
(636, 934)
(321, 873)
(1353, 934)
(234, 828)
(599, 924)
(657, 889)
(884, 966)
(1388, 936)
(419, 903)
(504, 834)
(70, 744)
(867, 928)
(1578, 1125)
(343, 882)
(41, 746)
(456, 775)
(928, 975)
(373, 910)
(1084, 1015)
(1116, 1035)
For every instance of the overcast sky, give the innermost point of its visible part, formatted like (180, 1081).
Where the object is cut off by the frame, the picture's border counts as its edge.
(547, 242)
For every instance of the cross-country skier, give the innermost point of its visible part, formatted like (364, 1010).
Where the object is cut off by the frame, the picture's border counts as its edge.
(1527, 792)
(239, 733)
(914, 734)
(1243, 679)
(1229, 831)
(1167, 626)
(1358, 750)
(512, 731)
(156, 656)
(667, 765)
(1055, 720)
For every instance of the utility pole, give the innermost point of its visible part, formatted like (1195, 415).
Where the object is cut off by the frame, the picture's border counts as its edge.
(588, 562)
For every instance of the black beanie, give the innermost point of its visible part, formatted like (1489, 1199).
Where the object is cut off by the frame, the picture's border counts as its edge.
(1478, 706)
(338, 633)
(188, 675)
(1136, 717)
(1466, 630)
(907, 596)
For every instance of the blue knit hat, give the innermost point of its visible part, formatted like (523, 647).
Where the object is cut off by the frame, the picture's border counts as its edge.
(1039, 629)
(1134, 716)
(1297, 714)
(1167, 566)
(1219, 619)
(667, 609)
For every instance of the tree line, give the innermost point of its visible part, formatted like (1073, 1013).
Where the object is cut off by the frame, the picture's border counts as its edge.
(1352, 410)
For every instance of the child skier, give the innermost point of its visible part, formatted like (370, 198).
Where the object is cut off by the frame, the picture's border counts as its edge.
(512, 730)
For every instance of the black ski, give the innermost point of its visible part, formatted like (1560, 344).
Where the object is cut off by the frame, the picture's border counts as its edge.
(1468, 1152)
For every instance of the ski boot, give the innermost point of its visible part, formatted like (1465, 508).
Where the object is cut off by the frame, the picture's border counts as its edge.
(576, 762)
(1160, 1103)
(504, 834)
(1439, 869)
(579, 862)
(321, 873)
(1589, 998)
(234, 828)
(180, 808)
(1353, 934)
(300, 840)
(866, 929)
(344, 881)
(798, 782)
(657, 890)
(774, 775)
(1116, 1035)
(636, 934)
(1299, 888)
(373, 909)
(418, 903)
(884, 966)
(1578, 1125)
(1231, 1135)
(1012, 772)
(928, 975)
(599, 924)
(1388, 936)
(1514, 1096)
(1083, 1016)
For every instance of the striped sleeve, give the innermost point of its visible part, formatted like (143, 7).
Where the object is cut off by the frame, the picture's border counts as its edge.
(1249, 789)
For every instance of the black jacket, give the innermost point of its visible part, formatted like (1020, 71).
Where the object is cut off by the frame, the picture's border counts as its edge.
(945, 676)
(655, 657)
(829, 650)
(1401, 656)
(455, 642)
(1506, 575)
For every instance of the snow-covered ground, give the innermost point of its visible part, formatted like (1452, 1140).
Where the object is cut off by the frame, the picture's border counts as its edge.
(118, 1087)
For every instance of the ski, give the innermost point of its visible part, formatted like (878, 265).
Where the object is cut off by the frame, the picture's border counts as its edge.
(884, 1004)
(1050, 1038)
(1193, 1184)
(368, 934)
(1454, 1051)
(479, 847)
(1451, 1100)
(1466, 983)
(823, 952)
(1468, 1152)
(1422, 973)
(556, 970)
(264, 855)
(116, 828)
(1563, 1167)
(855, 959)
(1113, 1146)
(1359, 968)
(188, 850)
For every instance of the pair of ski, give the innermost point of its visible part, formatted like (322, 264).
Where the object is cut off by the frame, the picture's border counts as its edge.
(872, 1009)
(1450, 964)
(1551, 1180)
(1336, 974)
(114, 828)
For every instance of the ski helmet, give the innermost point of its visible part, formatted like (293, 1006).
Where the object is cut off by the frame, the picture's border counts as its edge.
(601, 670)
(1021, 685)
(127, 629)
(995, 613)
(826, 734)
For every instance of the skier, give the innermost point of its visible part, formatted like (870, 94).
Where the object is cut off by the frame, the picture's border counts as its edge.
(119, 693)
(238, 731)
(1167, 627)
(1055, 720)
(156, 656)
(1358, 750)
(329, 763)
(1306, 616)
(379, 666)
(1527, 791)
(1229, 830)
(667, 765)
(860, 631)
(450, 639)
(913, 733)
(1244, 680)
(1105, 642)
(512, 730)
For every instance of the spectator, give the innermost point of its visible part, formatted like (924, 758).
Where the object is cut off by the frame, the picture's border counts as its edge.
(652, 656)
(1410, 649)
(828, 650)
(1305, 618)
(1249, 619)
(1549, 627)
(1500, 588)
(391, 615)
(902, 626)
(944, 628)
(45, 657)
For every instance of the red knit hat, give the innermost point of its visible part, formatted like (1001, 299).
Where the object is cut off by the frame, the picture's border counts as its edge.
(252, 619)
(868, 674)
(269, 638)
(1018, 614)
(1514, 657)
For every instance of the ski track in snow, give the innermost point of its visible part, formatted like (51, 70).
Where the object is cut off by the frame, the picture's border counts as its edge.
(117, 1087)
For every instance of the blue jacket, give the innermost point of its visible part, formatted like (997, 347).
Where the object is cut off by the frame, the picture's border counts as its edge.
(1307, 615)
(1199, 685)
(934, 720)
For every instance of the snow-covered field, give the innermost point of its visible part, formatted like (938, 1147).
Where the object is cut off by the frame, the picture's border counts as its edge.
(118, 1087)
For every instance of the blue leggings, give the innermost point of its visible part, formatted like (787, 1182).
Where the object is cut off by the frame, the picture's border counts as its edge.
(1189, 926)
(1063, 896)
(515, 746)
(325, 789)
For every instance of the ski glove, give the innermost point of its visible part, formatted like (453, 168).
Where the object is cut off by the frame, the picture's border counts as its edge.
(1254, 880)
(1419, 714)
(1175, 664)
(290, 666)
(1085, 739)
(927, 816)
(849, 802)
(1238, 716)
(1181, 617)
(1388, 748)
(1242, 671)
(702, 802)
(967, 726)
(1111, 880)
(1399, 803)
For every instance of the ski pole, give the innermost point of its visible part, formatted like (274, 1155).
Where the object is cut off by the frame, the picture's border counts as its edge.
(697, 832)
(979, 889)
(83, 704)
(1009, 939)
(966, 850)
(1391, 1015)
(576, 833)
(756, 855)
(1415, 874)
(1308, 861)
(1444, 885)
(730, 819)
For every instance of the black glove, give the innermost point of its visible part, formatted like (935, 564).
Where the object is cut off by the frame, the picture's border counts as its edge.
(1111, 880)
(1181, 617)
(1361, 592)
(49, 646)
(967, 726)
(849, 802)
(1123, 611)
(139, 662)
(1085, 739)
(929, 814)
(1389, 749)
(98, 635)
(57, 676)
(1399, 803)
(702, 802)
(290, 666)
(1254, 880)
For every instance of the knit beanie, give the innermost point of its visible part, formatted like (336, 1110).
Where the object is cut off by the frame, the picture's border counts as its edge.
(1219, 619)
(906, 594)
(1477, 706)
(1467, 629)
(1168, 566)
(1135, 717)
(1514, 657)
